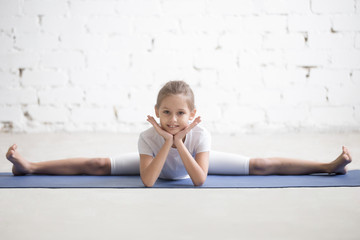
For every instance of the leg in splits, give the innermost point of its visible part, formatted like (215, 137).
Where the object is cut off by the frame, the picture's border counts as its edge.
(234, 164)
(70, 166)
(288, 166)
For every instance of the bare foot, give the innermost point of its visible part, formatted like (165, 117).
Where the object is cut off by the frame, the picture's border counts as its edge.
(338, 166)
(21, 165)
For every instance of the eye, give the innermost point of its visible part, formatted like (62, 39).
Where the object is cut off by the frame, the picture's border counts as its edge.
(166, 112)
(181, 113)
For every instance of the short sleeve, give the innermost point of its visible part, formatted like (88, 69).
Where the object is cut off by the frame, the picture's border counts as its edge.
(204, 142)
(143, 146)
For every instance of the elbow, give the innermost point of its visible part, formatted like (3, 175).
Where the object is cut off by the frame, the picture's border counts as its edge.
(199, 182)
(147, 183)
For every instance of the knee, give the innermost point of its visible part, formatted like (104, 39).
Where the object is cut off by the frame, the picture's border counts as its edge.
(98, 165)
(259, 166)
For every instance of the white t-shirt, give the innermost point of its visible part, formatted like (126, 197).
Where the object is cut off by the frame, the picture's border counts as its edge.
(196, 141)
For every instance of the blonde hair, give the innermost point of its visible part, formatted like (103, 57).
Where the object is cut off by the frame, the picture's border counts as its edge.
(176, 88)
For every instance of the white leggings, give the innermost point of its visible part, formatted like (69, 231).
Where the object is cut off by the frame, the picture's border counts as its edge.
(220, 163)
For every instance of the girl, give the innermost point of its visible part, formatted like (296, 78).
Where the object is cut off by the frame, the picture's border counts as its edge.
(176, 148)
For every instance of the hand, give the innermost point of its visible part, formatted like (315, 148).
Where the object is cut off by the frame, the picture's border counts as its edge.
(180, 135)
(159, 130)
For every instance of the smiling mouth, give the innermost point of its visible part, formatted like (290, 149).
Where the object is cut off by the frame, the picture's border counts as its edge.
(172, 126)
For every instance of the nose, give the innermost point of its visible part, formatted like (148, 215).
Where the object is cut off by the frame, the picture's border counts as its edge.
(173, 118)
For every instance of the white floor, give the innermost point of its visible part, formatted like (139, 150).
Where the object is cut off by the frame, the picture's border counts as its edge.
(290, 213)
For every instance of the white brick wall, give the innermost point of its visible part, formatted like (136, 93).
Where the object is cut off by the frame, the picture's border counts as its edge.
(255, 65)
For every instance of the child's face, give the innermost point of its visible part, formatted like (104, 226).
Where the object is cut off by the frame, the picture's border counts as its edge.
(174, 113)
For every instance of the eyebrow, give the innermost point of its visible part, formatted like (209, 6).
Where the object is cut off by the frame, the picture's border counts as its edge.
(181, 109)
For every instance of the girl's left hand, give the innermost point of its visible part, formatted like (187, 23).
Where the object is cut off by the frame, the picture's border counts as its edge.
(180, 135)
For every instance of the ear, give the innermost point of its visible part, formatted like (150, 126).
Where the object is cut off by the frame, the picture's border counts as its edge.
(193, 114)
(157, 112)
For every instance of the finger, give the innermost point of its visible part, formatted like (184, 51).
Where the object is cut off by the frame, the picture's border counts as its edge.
(193, 124)
(153, 122)
(151, 119)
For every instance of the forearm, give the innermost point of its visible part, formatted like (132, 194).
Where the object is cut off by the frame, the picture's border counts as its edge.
(196, 173)
(152, 172)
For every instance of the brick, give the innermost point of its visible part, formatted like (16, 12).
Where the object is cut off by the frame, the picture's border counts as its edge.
(231, 7)
(260, 97)
(17, 96)
(84, 42)
(357, 115)
(48, 114)
(106, 96)
(6, 43)
(184, 8)
(203, 77)
(346, 59)
(209, 112)
(86, 8)
(36, 42)
(357, 41)
(132, 77)
(331, 40)
(267, 23)
(9, 79)
(307, 57)
(346, 23)
(232, 42)
(355, 77)
(203, 24)
(249, 59)
(215, 60)
(308, 23)
(18, 60)
(63, 59)
(109, 25)
(63, 25)
(156, 25)
(60, 96)
(332, 116)
(332, 6)
(167, 42)
(19, 24)
(108, 60)
(45, 7)
(131, 43)
(223, 96)
(302, 95)
(329, 77)
(281, 78)
(39, 78)
(286, 6)
(132, 115)
(171, 74)
(92, 115)
(283, 41)
(289, 116)
(159, 61)
(87, 77)
(10, 7)
(240, 78)
(10, 114)
(131, 7)
(138, 94)
(347, 94)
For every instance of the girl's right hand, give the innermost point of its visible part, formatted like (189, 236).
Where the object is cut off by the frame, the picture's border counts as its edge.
(167, 136)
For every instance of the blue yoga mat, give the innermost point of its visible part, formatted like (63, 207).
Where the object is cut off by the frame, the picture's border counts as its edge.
(351, 179)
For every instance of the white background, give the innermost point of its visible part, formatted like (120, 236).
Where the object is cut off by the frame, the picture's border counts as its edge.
(254, 65)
